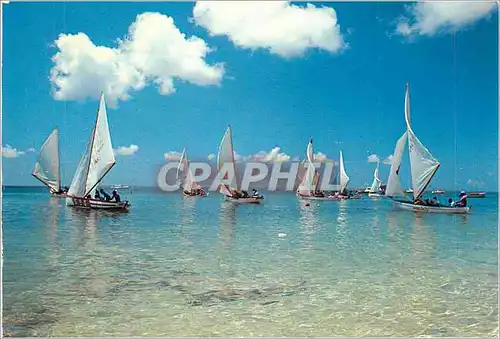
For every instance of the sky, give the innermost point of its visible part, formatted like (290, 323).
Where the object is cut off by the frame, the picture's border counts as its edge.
(176, 74)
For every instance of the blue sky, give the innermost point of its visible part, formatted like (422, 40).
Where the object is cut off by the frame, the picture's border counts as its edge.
(276, 83)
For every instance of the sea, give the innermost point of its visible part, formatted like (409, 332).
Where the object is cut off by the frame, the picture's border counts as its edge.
(190, 267)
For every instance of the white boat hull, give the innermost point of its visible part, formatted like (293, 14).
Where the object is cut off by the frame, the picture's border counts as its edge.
(408, 206)
(97, 204)
(375, 195)
(308, 197)
(244, 200)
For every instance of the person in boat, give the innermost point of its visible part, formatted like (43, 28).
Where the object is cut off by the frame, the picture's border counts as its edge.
(105, 195)
(434, 201)
(255, 193)
(418, 202)
(463, 200)
(115, 196)
(65, 189)
(319, 194)
(88, 196)
(244, 194)
(236, 194)
(202, 192)
(451, 202)
(97, 196)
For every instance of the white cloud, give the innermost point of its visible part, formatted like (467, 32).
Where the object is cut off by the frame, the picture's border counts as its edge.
(211, 156)
(172, 155)
(475, 183)
(433, 17)
(154, 51)
(282, 28)
(10, 152)
(388, 160)
(124, 150)
(272, 156)
(321, 157)
(373, 158)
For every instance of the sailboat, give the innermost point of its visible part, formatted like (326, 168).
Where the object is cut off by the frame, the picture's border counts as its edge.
(375, 188)
(190, 188)
(226, 157)
(309, 184)
(94, 165)
(423, 168)
(46, 167)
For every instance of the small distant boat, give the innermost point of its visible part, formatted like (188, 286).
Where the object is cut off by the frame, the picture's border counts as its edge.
(94, 165)
(376, 185)
(476, 194)
(119, 186)
(423, 168)
(190, 188)
(309, 183)
(409, 191)
(226, 156)
(438, 192)
(46, 167)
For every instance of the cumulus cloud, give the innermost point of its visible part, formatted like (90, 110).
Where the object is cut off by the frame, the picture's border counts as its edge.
(154, 51)
(282, 28)
(433, 17)
(373, 158)
(126, 151)
(211, 156)
(475, 183)
(321, 157)
(272, 156)
(10, 152)
(388, 160)
(172, 155)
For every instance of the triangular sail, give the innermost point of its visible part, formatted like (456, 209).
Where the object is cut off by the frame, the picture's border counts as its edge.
(308, 184)
(46, 168)
(393, 187)
(423, 164)
(225, 157)
(98, 158)
(376, 181)
(188, 182)
(344, 178)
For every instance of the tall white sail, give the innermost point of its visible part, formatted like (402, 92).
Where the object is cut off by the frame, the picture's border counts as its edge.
(308, 184)
(46, 167)
(423, 164)
(98, 158)
(188, 182)
(376, 181)
(344, 179)
(226, 163)
(393, 184)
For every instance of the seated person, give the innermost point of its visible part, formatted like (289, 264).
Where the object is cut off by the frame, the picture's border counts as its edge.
(97, 196)
(255, 193)
(115, 196)
(451, 202)
(244, 194)
(463, 200)
(105, 195)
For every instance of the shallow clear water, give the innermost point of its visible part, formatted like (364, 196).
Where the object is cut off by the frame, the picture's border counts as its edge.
(178, 266)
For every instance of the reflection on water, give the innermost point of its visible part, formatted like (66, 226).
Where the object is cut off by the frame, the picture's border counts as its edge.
(337, 272)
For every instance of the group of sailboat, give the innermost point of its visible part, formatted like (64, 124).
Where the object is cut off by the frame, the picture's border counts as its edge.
(423, 168)
(94, 165)
(309, 185)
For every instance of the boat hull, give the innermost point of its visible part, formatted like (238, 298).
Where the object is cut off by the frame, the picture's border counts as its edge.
(408, 206)
(307, 197)
(375, 195)
(250, 200)
(476, 195)
(97, 204)
(194, 195)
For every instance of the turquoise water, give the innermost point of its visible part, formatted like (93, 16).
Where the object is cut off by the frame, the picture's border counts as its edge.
(178, 266)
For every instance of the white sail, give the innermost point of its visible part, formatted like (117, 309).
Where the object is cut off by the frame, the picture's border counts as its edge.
(423, 165)
(98, 158)
(393, 184)
(46, 168)
(188, 182)
(376, 181)
(308, 184)
(344, 179)
(225, 162)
